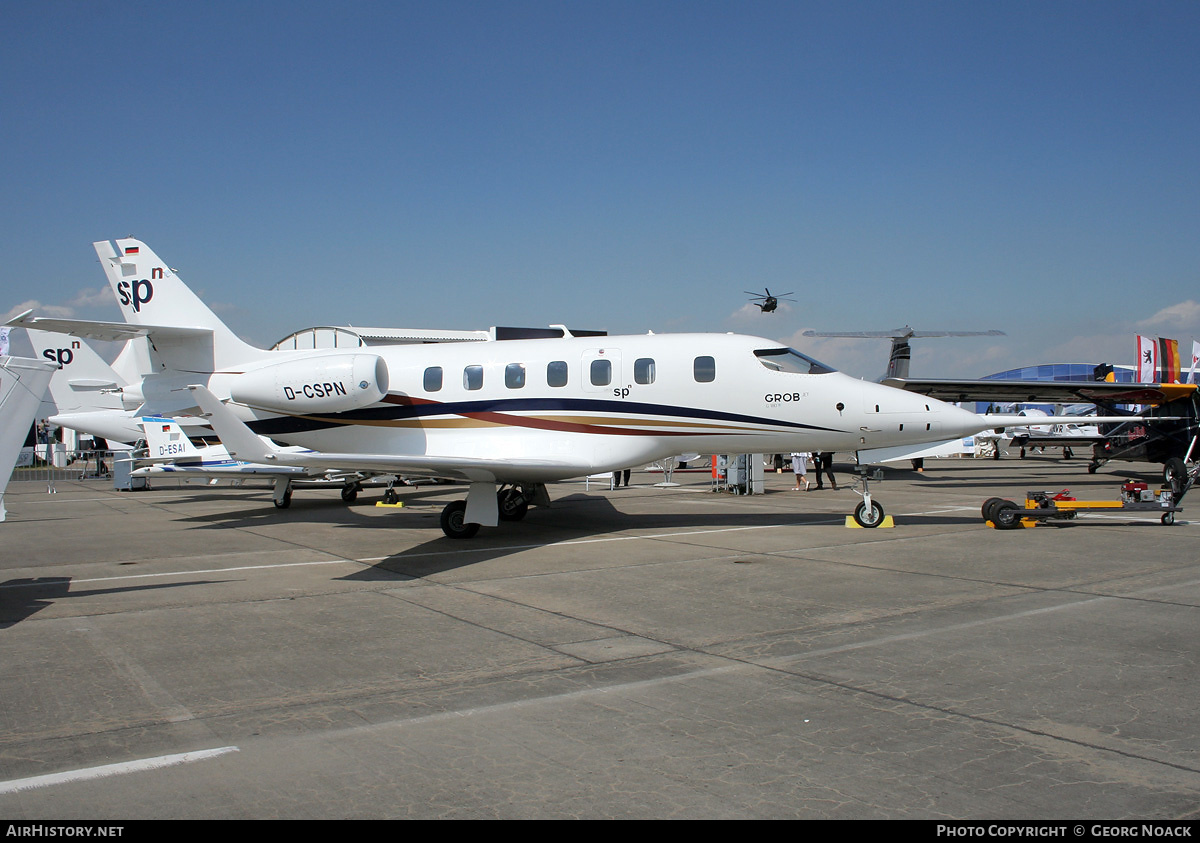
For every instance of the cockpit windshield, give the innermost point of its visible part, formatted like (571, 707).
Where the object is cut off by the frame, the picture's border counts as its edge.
(790, 360)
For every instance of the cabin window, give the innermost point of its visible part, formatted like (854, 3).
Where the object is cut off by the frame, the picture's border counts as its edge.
(514, 375)
(601, 372)
(643, 370)
(433, 378)
(473, 377)
(556, 373)
(705, 369)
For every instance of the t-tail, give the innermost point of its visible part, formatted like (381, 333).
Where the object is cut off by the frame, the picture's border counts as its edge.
(165, 440)
(150, 293)
(900, 358)
(84, 382)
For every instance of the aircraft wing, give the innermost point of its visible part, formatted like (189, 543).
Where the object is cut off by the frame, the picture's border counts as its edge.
(902, 334)
(1046, 392)
(109, 331)
(245, 444)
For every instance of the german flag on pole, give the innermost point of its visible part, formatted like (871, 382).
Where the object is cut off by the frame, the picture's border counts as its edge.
(1168, 360)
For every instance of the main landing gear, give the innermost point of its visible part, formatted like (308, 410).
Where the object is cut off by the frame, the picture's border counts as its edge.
(283, 493)
(454, 523)
(487, 506)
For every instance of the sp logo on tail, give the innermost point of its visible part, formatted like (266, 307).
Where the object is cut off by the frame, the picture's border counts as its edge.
(61, 356)
(135, 293)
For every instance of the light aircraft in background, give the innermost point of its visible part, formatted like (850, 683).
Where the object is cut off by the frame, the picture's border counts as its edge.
(169, 452)
(1165, 430)
(506, 416)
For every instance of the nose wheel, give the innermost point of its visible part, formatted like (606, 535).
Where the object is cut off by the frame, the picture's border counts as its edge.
(869, 513)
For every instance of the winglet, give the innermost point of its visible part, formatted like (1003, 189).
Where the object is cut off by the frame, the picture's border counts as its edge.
(242, 442)
(18, 319)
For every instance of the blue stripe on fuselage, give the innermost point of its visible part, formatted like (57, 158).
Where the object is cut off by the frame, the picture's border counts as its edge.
(401, 412)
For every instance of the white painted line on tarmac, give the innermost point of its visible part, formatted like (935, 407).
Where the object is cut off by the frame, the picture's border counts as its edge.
(125, 767)
(829, 520)
(185, 573)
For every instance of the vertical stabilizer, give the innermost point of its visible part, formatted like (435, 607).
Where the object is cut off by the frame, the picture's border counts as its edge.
(165, 440)
(83, 382)
(900, 358)
(23, 382)
(150, 293)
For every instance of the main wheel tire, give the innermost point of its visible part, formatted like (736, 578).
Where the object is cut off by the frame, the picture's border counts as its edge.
(868, 517)
(1175, 474)
(513, 505)
(1005, 517)
(350, 493)
(390, 496)
(988, 506)
(285, 503)
(453, 523)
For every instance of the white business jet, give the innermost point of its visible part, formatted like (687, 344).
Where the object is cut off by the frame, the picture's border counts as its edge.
(507, 416)
(87, 392)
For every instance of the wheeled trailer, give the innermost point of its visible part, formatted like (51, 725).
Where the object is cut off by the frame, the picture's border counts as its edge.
(1045, 506)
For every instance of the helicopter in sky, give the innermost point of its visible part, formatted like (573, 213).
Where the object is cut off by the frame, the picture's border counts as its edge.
(767, 302)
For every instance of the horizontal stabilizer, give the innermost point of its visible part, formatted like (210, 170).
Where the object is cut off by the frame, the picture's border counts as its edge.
(108, 331)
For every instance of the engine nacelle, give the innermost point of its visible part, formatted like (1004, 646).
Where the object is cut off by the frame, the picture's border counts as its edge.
(131, 397)
(328, 383)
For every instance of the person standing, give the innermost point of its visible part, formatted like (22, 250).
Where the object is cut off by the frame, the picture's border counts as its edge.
(823, 465)
(800, 469)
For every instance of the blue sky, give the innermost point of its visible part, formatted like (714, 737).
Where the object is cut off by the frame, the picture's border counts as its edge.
(1026, 166)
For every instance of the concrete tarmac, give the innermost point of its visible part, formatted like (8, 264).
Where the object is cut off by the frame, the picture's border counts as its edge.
(640, 653)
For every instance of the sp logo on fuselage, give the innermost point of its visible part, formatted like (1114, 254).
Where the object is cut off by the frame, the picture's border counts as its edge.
(135, 293)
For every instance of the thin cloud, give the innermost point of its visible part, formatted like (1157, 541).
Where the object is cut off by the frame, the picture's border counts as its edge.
(101, 297)
(1182, 316)
(39, 309)
(750, 311)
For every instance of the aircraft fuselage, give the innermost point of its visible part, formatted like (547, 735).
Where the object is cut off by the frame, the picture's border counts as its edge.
(591, 403)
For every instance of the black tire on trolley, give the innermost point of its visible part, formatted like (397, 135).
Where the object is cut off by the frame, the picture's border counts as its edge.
(989, 505)
(1005, 515)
